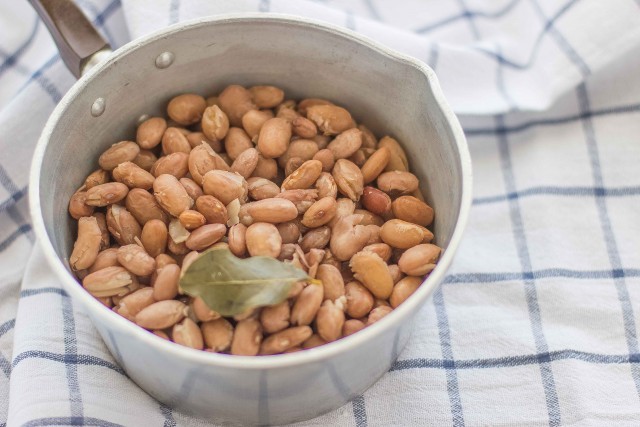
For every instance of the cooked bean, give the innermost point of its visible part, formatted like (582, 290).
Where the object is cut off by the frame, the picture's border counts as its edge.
(252, 172)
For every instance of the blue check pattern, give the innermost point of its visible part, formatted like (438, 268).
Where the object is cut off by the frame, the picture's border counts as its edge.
(536, 323)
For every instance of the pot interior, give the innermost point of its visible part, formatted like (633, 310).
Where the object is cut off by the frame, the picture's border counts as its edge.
(389, 95)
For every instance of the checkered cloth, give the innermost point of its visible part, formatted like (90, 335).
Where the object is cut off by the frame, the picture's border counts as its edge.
(536, 323)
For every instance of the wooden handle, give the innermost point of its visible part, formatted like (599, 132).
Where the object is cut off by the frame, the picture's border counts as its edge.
(75, 36)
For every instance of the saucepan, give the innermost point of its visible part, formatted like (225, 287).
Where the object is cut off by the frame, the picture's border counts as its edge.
(385, 90)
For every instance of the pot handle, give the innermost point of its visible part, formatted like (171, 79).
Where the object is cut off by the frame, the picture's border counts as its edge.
(79, 43)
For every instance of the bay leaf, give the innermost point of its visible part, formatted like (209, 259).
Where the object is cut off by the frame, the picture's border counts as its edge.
(232, 285)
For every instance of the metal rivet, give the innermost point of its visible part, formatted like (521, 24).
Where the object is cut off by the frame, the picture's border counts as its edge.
(142, 118)
(98, 106)
(165, 59)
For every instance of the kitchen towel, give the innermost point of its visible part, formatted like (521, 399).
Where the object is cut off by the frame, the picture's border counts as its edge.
(537, 321)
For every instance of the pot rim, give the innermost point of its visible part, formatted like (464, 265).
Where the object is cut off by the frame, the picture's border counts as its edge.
(327, 351)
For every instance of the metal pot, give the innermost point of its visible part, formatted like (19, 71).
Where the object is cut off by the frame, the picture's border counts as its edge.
(389, 92)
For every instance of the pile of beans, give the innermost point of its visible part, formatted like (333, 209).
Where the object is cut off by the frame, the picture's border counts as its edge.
(298, 181)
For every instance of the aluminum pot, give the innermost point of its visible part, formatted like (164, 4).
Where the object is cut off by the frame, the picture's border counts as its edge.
(389, 92)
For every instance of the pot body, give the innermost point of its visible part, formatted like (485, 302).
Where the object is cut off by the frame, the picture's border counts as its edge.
(389, 93)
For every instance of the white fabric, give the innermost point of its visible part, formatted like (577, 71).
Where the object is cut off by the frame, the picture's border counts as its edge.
(536, 323)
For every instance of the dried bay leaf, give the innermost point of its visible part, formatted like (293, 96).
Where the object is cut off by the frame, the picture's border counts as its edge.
(232, 285)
